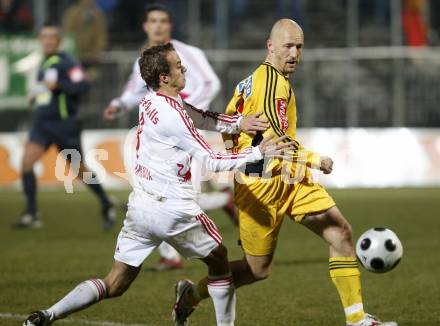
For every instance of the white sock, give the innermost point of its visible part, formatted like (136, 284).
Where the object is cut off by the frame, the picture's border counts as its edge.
(84, 295)
(212, 200)
(168, 252)
(222, 291)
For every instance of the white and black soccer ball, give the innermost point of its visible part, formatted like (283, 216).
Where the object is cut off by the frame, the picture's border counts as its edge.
(379, 250)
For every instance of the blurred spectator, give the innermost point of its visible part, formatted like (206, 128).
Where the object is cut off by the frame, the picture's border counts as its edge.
(15, 16)
(87, 24)
(413, 21)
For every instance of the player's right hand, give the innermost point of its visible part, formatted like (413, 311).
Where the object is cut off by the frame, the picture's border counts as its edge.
(276, 147)
(326, 165)
(110, 113)
(252, 123)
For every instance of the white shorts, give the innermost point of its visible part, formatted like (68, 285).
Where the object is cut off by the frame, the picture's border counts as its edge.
(149, 221)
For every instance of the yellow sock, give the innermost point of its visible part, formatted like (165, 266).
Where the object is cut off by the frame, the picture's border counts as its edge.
(202, 288)
(198, 293)
(345, 274)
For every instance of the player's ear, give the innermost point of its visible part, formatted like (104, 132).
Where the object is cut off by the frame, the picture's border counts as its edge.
(269, 45)
(164, 78)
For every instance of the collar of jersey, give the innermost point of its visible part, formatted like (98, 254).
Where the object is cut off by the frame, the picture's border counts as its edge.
(270, 65)
(175, 100)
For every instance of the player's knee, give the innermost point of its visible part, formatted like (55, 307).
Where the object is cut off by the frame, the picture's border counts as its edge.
(218, 258)
(27, 164)
(261, 273)
(219, 255)
(346, 232)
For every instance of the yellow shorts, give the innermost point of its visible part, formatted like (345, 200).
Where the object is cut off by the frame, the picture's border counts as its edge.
(263, 205)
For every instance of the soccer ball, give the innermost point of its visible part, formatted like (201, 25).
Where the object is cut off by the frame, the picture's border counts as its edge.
(379, 250)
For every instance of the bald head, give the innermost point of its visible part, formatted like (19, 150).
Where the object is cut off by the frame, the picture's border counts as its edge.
(285, 25)
(285, 45)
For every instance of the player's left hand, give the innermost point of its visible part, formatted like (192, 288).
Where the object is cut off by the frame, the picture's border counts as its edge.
(272, 147)
(110, 113)
(252, 123)
(326, 165)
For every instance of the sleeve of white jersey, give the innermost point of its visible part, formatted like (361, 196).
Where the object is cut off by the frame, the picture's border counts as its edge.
(209, 83)
(189, 140)
(134, 91)
(206, 120)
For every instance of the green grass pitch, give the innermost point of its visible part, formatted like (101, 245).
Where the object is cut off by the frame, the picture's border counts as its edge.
(38, 267)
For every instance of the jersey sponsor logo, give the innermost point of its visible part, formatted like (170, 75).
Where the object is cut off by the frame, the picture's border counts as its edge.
(282, 114)
(150, 112)
(143, 172)
(245, 87)
(76, 74)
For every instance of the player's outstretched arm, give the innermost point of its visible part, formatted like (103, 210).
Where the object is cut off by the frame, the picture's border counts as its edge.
(187, 137)
(280, 124)
(224, 123)
(312, 160)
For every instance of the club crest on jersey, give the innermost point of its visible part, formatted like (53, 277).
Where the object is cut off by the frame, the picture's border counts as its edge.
(184, 171)
(282, 113)
(245, 87)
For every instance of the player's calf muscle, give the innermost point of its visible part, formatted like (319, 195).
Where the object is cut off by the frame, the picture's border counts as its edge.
(340, 240)
(119, 279)
(115, 289)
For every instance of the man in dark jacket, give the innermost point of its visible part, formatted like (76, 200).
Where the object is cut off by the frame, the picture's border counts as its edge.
(56, 98)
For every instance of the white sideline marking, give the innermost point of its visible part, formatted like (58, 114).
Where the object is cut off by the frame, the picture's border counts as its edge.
(8, 315)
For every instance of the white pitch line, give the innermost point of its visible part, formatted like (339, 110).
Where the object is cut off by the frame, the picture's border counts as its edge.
(8, 315)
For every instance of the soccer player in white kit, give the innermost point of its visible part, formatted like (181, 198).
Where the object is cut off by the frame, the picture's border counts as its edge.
(202, 85)
(162, 206)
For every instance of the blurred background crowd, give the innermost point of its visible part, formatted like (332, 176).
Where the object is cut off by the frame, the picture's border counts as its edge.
(367, 63)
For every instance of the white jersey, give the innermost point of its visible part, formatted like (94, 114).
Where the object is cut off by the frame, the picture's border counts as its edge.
(167, 141)
(202, 84)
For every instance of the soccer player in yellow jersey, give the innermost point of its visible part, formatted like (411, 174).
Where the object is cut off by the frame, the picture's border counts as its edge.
(265, 192)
